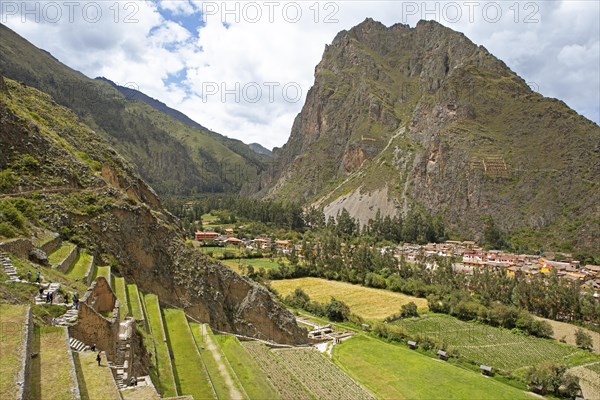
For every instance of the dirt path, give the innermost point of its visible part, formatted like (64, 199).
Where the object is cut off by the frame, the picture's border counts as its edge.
(234, 393)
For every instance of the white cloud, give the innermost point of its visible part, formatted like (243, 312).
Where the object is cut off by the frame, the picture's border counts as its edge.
(554, 44)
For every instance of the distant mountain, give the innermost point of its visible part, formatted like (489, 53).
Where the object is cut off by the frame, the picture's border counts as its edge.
(258, 148)
(401, 118)
(174, 154)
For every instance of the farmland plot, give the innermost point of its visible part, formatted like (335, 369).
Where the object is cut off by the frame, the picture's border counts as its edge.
(288, 387)
(323, 378)
(493, 346)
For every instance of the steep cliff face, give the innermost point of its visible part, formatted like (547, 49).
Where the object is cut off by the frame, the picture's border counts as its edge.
(69, 180)
(426, 118)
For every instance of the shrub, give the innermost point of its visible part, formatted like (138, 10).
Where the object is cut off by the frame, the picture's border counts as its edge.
(583, 339)
(11, 215)
(409, 310)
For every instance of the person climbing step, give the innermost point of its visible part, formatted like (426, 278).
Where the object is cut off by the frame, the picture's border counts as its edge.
(98, 358)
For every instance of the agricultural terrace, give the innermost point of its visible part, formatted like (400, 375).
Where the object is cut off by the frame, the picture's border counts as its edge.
(221, 375)
(323, 378)
(119, 289)
(51, 370)
(12, 333)
(187, 364)
(254, 382)
(288, 387)
(104, 272)
(81, 266)
(392, 371)
(165, 371)
(94, 382)
(366, 302)
(135, 305)
(497, 347)
(61, 253)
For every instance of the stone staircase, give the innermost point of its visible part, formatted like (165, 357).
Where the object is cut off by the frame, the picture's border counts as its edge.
(122, 360)
(51, 288)
(78, 345)
(9, 268)
(67, 319)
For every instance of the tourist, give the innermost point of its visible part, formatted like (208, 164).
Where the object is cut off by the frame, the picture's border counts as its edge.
(76, 301)
(93, 348)
(41, 290)
(47, 297)
(98, 358)
(66, 298)
(37, 277)
(53, 321)
(28, 276)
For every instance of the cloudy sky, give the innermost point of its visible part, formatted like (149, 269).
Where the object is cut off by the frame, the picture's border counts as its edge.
(243, 68)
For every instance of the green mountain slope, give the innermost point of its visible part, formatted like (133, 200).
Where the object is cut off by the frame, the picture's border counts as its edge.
(174, 157)
(404, 117)
(58, 174)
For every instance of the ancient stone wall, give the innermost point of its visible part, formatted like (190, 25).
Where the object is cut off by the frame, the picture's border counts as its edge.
(74, 385)
(51, 245)
(68, 261)
(24, 375)
(98, 318)
(19, 247)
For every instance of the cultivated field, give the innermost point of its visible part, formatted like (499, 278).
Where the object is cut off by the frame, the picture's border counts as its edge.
(135, 305)
(288, 387)
(94, 382)
(248, 372)
(395, 372)
(497, 347)
(323, 378)
(369, 303)
(242, 266)
(119, 289)
(59, 254)
(562, 329)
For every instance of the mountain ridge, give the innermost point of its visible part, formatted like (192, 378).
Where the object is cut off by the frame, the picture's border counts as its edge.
(435, 121)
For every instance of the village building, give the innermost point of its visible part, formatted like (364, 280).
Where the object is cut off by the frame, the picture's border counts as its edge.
(200, 236)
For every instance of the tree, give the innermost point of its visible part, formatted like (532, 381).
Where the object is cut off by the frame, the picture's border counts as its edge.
(337, 310)
(409, 310)
(583, 339)
(493, 237)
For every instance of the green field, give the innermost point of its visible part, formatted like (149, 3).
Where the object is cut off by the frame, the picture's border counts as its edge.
(166, 384)
(217, 252)
(135, 307)
(94, 382)
(104, 272)
(119, 289)
(51, 369)
(367, 302)
(12, 322)
(497, 347)
(59, 254)
(221, 375)
(395, 372)
(255, 383)
(81, 265)
(241, 265)
(187, 364)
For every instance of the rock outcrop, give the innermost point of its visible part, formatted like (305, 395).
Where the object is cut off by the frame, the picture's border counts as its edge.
(440, 123)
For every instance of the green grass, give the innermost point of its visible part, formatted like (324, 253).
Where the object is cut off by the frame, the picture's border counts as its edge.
(255, 383)
(395, 372)
(212, 365)
(59, 254)
(187, 364)
(166, 380)
(242, 265)
(12, 323)
(51, 369)
(81, 265)
(500, 348)
(134, 302)
(104, 272)
(119, 289)
(94, 382)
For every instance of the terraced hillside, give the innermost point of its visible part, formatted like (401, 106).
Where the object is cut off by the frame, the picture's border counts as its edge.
(12, 348)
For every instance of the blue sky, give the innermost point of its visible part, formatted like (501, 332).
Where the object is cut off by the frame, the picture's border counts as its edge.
(243, 68)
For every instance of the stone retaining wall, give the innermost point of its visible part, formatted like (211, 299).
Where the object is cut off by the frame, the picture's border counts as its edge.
(24, 375)
(67, 263)
(19, 247)
(89, 275)
(51, 245)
